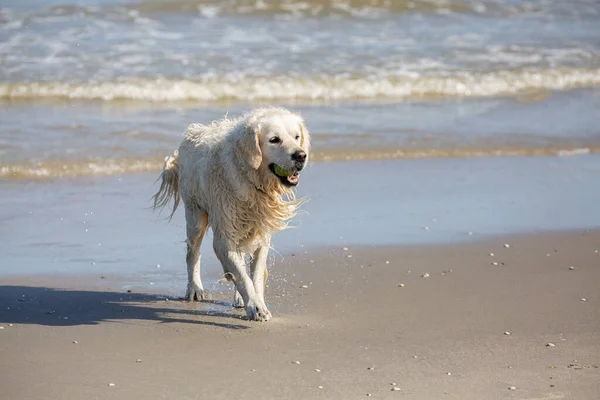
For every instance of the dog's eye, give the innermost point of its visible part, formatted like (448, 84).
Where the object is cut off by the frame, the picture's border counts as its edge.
(274, 139)
(298, 137)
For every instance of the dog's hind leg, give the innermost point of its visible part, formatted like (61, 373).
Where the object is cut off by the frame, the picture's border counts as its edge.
(196, 226)
(234, 266)
(238, 301)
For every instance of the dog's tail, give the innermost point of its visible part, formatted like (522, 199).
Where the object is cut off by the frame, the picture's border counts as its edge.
(169, 186)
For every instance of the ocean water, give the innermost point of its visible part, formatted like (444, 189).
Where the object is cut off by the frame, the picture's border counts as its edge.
(103, 225)
(97, 87)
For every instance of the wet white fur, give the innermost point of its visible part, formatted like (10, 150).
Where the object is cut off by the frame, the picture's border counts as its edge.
(221, 173)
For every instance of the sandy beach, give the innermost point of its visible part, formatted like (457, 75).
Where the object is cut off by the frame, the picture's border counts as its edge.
(90, 280)
(460, 327)
(441, 131)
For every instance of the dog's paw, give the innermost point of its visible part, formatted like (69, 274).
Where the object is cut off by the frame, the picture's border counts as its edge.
(257, 312)
(196, 293)
(238, 301)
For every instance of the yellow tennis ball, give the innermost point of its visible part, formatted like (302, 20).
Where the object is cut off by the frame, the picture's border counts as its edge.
(281, 171)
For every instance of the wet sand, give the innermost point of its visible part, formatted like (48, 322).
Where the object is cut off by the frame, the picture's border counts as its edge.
(352, 330)
(71, 249)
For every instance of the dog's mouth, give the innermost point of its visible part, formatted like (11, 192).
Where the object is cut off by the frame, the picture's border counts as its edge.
(286, 177)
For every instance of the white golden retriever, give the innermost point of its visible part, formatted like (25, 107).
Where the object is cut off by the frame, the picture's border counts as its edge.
(237, 176)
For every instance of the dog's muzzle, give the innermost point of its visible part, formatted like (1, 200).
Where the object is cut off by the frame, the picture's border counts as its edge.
(289, 177)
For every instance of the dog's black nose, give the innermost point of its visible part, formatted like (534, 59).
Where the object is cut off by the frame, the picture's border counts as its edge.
(299, 156)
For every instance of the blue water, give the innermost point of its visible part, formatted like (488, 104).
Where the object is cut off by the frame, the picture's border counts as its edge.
(104, 225)
(91, 87)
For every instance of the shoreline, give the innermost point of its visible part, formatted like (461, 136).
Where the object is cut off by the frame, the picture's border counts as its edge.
(56, 171)
(109, 279)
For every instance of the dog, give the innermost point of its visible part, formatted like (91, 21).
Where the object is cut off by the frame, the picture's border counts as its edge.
(238, 177)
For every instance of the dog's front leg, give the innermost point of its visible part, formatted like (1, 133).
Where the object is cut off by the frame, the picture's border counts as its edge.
(258, 267)
(234, 264)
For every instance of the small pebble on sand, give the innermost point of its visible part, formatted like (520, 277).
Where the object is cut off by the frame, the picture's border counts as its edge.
(550, 345)
(449, 373)
(345, 249)
(491, 254)
(387, 262)
(572, 268)
(494, 263)
(368, 394)
(401, 285)
(111, 384)
(426, 228)
(415, 356)
(425, 275)
(304, 286)
(75, 342)
(393, 383)
(319, 387)
(1, 327)
(349, 256)
(583, 299)
(507, 333)
(10, 324)
(396, 389)
(507, 245)
(371, 368)
(138, 360)
(317, 370)
(295, 362)
(512, 388)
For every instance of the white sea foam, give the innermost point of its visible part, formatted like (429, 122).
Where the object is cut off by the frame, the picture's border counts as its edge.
(574, 152)
(69, 169)
(325, 88)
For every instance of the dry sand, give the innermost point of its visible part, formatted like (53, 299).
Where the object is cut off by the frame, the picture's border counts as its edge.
(350, 333)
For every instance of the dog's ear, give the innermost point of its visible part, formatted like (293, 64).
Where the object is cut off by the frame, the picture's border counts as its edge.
(247, 146)
(305, 137)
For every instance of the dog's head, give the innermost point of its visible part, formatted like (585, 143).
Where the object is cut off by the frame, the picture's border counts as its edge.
(276, 144)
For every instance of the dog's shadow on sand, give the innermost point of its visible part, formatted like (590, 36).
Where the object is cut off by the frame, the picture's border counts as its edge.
(58, 307)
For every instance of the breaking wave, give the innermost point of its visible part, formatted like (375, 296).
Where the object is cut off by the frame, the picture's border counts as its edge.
(326, 88)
